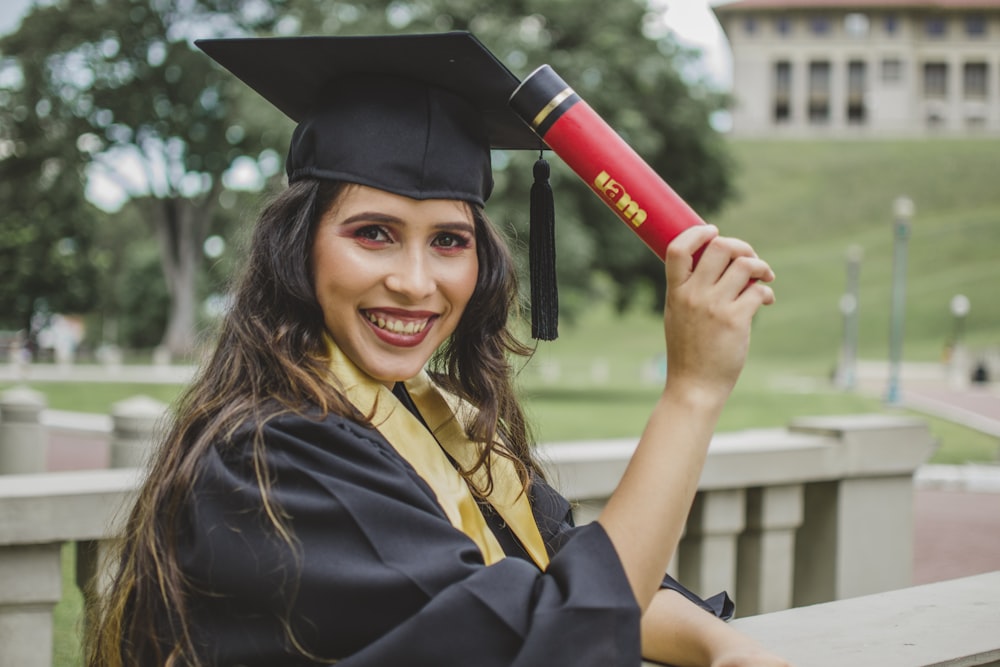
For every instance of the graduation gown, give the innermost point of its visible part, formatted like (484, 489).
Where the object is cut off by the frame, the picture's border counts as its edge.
(378, 575)
(376, 571)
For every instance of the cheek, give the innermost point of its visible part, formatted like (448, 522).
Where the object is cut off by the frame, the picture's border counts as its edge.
(468, 282)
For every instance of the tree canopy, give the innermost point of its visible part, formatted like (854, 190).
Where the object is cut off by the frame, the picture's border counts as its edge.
(114, 90)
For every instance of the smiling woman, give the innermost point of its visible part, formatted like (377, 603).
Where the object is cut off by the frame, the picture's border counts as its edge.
(350, 478)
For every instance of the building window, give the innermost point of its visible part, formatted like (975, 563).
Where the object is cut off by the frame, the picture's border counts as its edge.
(819, 25)
(857, 72)
(975, 25)
(974, 81)
(782, 91)
(856, 25)
(750, 25)
(936, 26)
(935, 80)
(891, 24)
(783, 25)
(892, 70)
(819, 91)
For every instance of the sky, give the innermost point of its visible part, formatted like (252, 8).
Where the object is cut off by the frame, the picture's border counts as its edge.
(691, 20)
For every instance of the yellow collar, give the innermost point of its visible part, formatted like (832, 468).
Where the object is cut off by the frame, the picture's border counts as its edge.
(426, 453)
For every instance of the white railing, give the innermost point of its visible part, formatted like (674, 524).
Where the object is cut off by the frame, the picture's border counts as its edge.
(819, 511)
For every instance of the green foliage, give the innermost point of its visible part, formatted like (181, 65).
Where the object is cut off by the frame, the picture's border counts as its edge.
(47, 229)
(116, 88)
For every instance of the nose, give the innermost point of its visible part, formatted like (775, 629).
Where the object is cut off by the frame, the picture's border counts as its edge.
(412, 276)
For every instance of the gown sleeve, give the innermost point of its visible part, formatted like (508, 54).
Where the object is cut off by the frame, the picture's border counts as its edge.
(374, 574)
(554, 517)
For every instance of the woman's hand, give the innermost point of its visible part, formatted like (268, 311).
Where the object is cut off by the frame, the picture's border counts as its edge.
(710, 304)
(676, 632)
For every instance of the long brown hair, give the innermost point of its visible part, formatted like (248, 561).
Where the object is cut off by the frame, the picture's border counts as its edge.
(270, 358)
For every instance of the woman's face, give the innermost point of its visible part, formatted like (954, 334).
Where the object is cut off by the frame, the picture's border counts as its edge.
(393, 276)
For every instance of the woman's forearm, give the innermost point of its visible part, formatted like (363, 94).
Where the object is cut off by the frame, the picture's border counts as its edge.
(645, 516)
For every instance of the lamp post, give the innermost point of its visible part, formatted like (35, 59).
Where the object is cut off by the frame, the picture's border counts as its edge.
(849, 302)
(959, 307)
(902, 210)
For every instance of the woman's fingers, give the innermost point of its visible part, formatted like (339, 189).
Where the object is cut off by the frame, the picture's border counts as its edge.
(681, 253)
(711, 301)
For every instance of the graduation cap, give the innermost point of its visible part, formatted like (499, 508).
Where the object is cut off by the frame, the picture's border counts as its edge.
(414, 114)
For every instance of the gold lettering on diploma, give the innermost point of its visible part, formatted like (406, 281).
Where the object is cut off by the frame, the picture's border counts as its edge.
(612, 191)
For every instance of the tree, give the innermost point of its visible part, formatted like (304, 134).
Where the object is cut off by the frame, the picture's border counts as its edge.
(46, 230)
(121, 85)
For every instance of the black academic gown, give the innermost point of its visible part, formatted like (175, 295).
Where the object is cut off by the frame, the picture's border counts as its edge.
(378, 576)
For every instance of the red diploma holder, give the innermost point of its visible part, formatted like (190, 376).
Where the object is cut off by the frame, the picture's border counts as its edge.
(598, 155)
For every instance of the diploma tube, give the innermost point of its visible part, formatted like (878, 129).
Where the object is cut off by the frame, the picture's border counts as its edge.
(598, 155)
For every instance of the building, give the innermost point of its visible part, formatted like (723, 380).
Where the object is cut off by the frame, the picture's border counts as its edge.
(875, 68)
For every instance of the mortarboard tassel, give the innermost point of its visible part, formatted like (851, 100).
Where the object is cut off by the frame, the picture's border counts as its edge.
(542, 257)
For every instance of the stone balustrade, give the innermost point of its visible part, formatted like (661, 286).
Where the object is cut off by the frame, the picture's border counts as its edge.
(819, 511)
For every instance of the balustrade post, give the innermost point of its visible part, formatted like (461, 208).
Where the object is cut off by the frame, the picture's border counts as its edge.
(134, 423)
(707, 554)
(767, 549)
(22, 437)
(32, 585)
(857, 531)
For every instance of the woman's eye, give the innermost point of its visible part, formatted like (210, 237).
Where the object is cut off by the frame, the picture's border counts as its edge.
(451, 241)
(372, 233)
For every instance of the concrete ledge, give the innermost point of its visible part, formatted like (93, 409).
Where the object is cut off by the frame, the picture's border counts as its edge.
(64, 506)
(953, 622)
(810, 450)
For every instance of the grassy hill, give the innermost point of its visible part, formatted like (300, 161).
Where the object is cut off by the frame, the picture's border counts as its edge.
(803, 203)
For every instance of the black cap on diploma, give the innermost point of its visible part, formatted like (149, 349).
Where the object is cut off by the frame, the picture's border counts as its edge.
(414, 114)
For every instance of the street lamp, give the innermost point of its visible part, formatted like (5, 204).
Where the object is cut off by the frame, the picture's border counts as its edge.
(959, 307)
(957, 361)
(902, 209)
(849, 311)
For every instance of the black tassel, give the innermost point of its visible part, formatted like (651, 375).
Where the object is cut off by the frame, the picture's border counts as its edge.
(542, 257)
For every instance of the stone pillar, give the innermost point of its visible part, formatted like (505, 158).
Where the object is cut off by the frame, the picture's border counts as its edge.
(767, 549)
(32, 585)
(707, 554)
(23, 444)
(856, 539)
(134, 423)
(857, 532)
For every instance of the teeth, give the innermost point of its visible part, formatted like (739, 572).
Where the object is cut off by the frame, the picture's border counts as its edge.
(397, 326)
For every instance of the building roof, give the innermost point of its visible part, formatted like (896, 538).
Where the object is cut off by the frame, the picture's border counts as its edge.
(739, 5)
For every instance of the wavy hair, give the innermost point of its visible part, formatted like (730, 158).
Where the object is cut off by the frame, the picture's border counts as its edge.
(270, 358)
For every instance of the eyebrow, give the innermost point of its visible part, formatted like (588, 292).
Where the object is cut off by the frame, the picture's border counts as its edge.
(378, 217)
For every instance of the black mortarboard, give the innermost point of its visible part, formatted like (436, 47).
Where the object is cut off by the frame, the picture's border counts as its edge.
(415, 115)
(412, 114)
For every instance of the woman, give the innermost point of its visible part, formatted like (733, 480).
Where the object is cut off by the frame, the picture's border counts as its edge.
(321, 498)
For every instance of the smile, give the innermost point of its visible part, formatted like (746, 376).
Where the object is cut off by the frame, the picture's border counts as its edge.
(397, 326)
